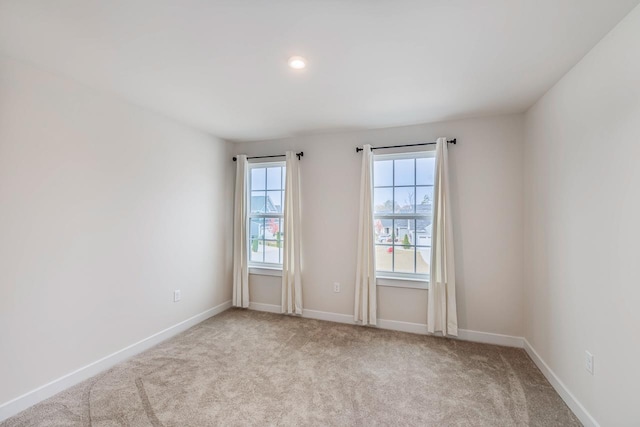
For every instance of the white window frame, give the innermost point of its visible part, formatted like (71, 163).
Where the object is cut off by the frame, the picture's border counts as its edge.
(401, 279)
(262, 268)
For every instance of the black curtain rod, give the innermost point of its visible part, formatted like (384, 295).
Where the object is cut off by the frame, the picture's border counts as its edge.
(451, 141)
(300, 154)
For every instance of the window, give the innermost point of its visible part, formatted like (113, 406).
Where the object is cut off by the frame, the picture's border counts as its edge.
(266, 192)
(402, 197)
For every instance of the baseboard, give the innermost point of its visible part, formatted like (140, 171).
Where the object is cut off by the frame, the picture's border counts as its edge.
(580, 411)
(396, 325)
(490, 338)
(20, 403)
(309, 314)
(270, 308)
(328, 316)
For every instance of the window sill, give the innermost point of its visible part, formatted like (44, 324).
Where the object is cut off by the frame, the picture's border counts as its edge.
(395, 282)
(265, 271)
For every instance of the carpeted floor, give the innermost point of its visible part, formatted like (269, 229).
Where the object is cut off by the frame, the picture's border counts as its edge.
(251, 368)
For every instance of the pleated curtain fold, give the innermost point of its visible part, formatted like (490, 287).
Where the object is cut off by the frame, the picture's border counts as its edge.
(291, 264)
(441, 311)
(240, 252)
(365, 293)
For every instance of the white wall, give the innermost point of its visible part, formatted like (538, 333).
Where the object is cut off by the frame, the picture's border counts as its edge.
(105, 209)
(583, 227)
(486, 174)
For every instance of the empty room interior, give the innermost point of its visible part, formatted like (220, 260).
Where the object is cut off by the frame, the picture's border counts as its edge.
(319, 213)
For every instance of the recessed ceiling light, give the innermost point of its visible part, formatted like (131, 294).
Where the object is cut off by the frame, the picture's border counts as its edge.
(297, 62)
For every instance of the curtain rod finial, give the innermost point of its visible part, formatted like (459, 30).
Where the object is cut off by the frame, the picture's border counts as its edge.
(235, 158)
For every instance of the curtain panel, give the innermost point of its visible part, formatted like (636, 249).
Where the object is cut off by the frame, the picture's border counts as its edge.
(240, 253)
(441, 311)
(365, 310)
(291, 264)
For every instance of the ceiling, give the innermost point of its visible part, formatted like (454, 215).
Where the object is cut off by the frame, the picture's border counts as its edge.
(221, 66)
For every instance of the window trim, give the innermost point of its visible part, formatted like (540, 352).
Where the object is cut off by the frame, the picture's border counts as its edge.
(396, 282)
(402, 279)
(265, 271)
(262, 268)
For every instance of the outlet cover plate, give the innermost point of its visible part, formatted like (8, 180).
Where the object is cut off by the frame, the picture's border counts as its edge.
(588, 362)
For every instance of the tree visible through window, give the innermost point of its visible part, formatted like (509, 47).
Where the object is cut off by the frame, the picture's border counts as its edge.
(402, 195)
(266, 192)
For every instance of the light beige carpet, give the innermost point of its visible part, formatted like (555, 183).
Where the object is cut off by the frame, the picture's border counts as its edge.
(250, 368)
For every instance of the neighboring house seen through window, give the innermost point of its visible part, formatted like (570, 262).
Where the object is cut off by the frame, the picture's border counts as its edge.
(402, 195)
(266, 192)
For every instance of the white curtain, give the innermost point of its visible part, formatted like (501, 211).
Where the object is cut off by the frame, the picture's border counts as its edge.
(365, 304)
(291, 275)
(441, 311)
(240, 253)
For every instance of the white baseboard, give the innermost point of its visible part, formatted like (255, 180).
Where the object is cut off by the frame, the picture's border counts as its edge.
(309, 314)
(396, 325)
(490, 338)
(270, 308)
(20, 403)
(568, 397)
(331, 317)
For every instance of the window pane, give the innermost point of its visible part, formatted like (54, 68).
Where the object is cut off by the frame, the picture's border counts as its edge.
(424, 171)
(383, 229)
(266, 240)
(258, 199)
(404, 172)
(404, 259)
(256, 233)
(384, 258)
(274, 181)
(383, 173)
(258, 179)
(403, 231)
(412, 232)
(274, 201)
(272, 228)
(271, 252)
(423, 260)
(256, 254)
(424, 198)
(256, 228)
(423, 232)
(404, 199)
(383, 200)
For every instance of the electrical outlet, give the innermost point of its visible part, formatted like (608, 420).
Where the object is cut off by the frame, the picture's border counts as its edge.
(588, 362)
(336, 287)
(177, 295)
